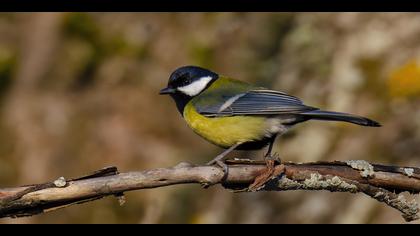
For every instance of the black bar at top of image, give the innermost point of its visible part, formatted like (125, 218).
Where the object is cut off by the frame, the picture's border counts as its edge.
(209, 5)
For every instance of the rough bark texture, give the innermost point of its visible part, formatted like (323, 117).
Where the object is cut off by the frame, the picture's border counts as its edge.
(381, 182)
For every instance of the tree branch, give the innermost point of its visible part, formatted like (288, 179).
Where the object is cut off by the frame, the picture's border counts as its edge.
(381, 182)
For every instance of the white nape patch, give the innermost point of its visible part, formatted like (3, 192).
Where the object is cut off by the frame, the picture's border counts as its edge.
(195, 87)
(229, 102)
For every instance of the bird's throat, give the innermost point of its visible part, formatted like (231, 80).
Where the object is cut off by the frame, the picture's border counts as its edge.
(181, 101)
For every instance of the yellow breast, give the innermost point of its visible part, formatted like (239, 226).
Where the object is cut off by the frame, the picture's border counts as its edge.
(226, 131)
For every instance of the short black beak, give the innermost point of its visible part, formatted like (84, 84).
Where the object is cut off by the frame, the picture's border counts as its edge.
(167, 91)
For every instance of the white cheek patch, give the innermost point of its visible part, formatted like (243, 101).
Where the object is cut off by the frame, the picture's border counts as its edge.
(195, 87)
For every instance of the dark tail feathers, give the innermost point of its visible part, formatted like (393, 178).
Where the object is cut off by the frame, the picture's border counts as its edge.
(338, 116)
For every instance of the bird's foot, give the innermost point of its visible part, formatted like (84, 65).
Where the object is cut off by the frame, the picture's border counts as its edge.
(225, 169)
(274, 168)
(218, 160)
(274, 157)
(222, 165)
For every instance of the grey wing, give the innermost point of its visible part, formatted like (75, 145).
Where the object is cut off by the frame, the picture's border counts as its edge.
(256, 102)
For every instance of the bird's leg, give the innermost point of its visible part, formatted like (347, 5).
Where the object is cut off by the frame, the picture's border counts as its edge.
(271, 161)
(218, 160)
(223, 155)
(268, 155)
(270, 148)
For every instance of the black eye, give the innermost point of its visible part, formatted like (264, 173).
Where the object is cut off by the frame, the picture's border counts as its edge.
(185, 79)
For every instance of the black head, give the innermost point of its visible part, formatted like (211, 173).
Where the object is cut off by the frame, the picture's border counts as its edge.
(187, 82)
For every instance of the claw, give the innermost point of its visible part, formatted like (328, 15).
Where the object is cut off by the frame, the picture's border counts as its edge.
(224, 168)
(271, 171)
(275, 157)
(205, 185)
(220, 164)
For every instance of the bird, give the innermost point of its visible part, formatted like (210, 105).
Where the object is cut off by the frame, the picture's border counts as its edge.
(236, 115)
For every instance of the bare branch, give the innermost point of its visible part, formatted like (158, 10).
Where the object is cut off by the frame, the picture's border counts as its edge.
(381, 182)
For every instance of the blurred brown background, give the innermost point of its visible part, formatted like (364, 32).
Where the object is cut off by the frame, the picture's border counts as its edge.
(79, 92)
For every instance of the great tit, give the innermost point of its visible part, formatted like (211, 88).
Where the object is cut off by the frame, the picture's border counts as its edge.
(236, 115)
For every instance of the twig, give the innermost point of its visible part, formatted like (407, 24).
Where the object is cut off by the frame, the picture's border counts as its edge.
(381, 182)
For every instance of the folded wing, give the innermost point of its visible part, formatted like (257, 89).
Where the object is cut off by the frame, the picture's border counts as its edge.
(256, 102)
